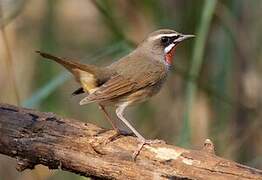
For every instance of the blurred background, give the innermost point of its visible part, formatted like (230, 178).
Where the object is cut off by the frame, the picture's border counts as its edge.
(213, 91)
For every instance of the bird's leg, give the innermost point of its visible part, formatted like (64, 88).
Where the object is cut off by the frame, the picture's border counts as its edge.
(108, 118)
(143, 141)
(112, 122)
(119, 112)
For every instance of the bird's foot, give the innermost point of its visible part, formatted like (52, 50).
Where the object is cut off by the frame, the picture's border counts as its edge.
(144, 142)
(118, 133)
(125, 133)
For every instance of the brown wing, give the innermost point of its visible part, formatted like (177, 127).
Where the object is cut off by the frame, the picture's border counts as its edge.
(120, 84)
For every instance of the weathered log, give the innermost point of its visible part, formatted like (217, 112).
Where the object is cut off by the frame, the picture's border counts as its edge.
(34, 137)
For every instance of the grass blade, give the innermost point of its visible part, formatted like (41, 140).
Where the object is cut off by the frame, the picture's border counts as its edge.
(197, 59)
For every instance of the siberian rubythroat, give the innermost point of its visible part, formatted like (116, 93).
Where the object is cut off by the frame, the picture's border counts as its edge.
(132, 79)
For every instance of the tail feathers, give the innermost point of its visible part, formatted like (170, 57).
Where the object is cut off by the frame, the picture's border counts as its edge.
(69, 64)
(87, 75)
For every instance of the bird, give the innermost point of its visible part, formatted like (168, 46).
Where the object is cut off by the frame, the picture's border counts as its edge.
(132, 79)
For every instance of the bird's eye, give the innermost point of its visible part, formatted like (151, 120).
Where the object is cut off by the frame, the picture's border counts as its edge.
(164, 40)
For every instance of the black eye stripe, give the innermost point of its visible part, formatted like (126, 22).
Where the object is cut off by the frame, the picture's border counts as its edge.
(166, 40)
(175, 37)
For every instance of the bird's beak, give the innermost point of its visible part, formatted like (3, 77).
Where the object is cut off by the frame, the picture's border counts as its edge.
(184, 37)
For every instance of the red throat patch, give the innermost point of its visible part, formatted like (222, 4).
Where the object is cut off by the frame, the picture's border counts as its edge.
(170, 55)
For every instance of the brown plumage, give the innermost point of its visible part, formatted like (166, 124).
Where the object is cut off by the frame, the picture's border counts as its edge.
(89, 76)
(134, 78)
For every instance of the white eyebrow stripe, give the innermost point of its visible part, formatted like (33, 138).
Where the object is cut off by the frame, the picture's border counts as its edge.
(163, 35)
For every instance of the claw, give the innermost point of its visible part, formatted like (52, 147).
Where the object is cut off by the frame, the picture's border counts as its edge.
(142, 144)
(118, 133)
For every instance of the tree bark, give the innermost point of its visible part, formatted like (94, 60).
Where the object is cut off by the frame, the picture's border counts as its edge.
(34, 138)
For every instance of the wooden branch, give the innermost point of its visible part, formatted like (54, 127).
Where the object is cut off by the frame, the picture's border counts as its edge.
(34, 137)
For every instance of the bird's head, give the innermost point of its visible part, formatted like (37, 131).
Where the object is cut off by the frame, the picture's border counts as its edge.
(162, 44)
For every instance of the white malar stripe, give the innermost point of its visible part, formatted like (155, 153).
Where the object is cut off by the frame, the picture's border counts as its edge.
(162, 35)
(169, 48)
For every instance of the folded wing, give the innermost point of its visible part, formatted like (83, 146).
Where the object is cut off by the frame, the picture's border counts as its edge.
(121, 84)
